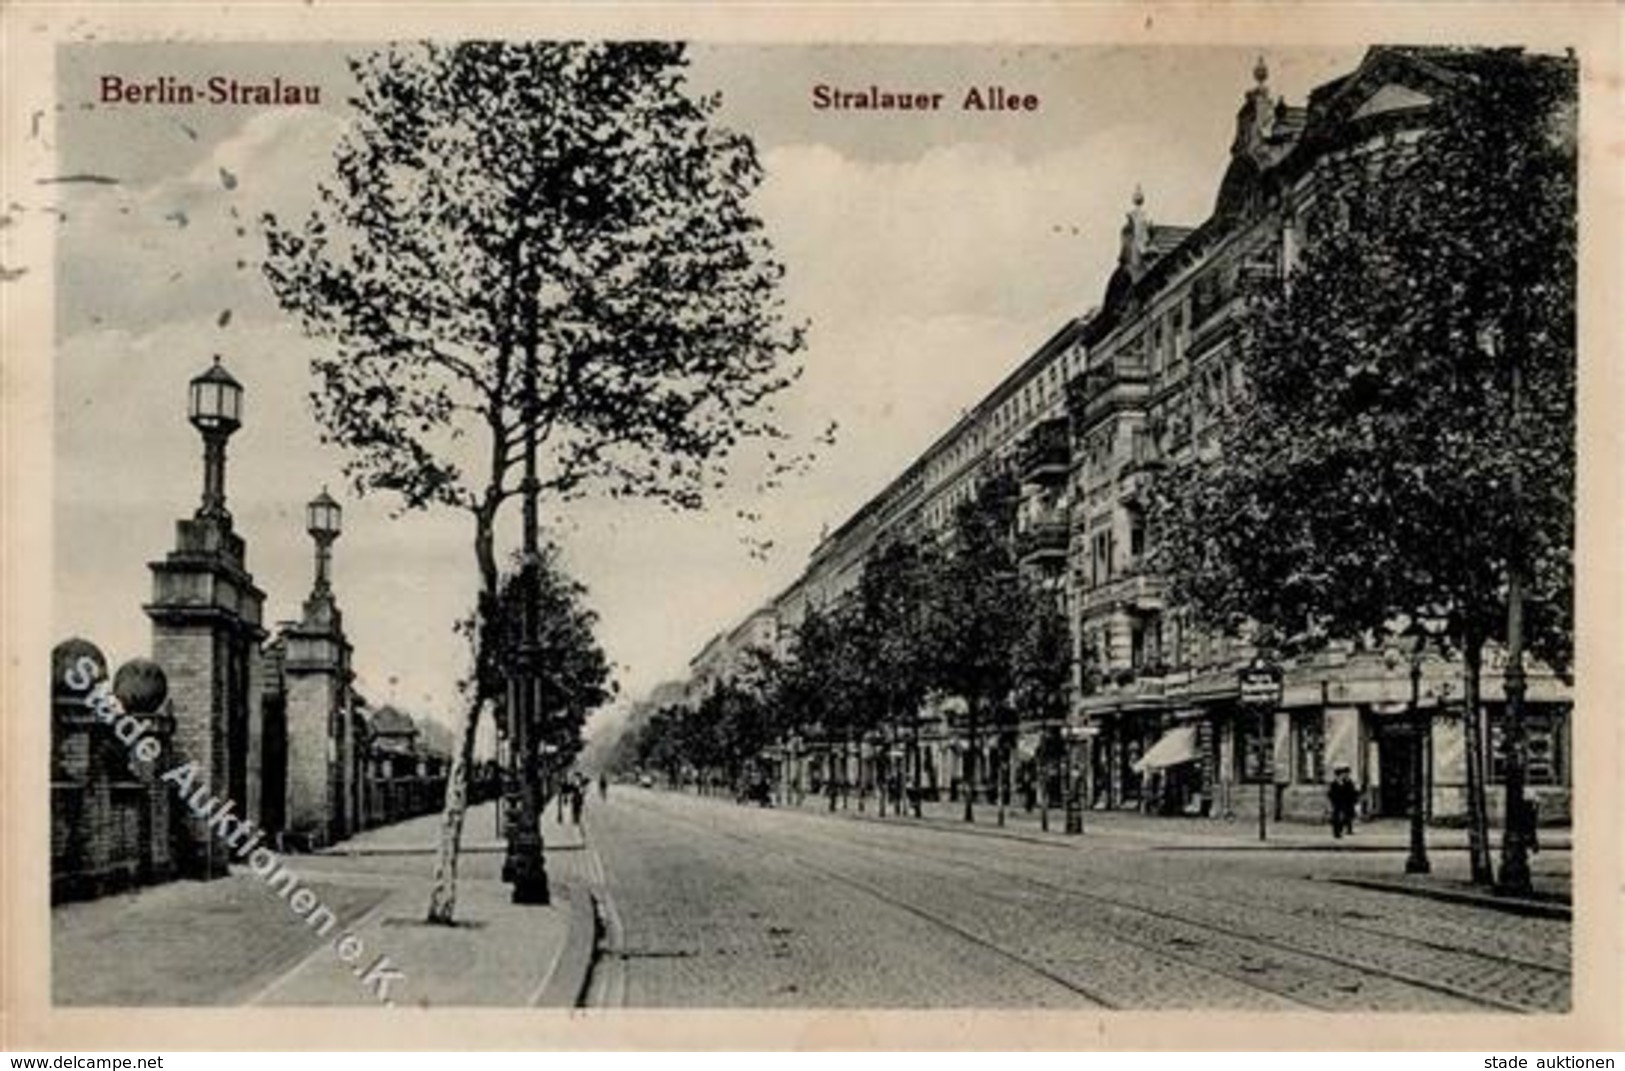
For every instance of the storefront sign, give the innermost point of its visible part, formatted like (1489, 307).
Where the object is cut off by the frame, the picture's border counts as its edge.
(1260, 684)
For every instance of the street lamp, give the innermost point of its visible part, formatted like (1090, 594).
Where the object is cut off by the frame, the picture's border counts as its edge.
(1422, 631)
(215, 408)
(323, 520)
(524, 866)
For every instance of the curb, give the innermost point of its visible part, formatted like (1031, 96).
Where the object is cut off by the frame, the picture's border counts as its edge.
(1053, 840)
(406, 849)
(415, 849)
(1546, 909)
(566, 985)
(1057, 839)
(1338, 849)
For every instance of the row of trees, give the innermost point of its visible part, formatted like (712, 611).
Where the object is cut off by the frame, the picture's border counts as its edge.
(925, 620)
(1404, 449)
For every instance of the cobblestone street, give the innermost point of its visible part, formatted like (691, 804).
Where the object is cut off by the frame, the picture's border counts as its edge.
(708, 903)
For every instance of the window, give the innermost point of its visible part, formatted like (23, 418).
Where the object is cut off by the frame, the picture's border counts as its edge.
(1179, 422)
(1140, 446)
(1543, 752)
(1257, 739)
(1309, 738)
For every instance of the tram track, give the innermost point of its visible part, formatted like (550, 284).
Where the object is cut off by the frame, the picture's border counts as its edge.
(1026, 962)
(1248, 936)
(1278, 970)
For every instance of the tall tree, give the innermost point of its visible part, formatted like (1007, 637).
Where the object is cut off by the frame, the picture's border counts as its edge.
(569, 207)
(891, 597)
(820, 687)
(1371, 468)
(1042, 672)
(974, 615)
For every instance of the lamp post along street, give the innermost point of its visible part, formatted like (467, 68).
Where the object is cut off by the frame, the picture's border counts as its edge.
(524, 867)
(1416, 862)
(1424, 630)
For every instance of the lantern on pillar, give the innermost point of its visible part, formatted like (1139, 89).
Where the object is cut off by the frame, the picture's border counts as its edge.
(323, 520)
(215, 409)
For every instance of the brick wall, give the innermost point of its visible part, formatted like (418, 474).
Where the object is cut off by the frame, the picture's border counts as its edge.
(110, 817)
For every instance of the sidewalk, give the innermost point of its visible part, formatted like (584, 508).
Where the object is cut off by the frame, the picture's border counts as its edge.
(480, 835)
(498, 953)
(1370, 857)
(1179, 833)
(238, 941)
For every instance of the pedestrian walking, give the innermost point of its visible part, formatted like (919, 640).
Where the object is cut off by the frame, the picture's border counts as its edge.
(603, 786)
(578, 799)
(1344, 796)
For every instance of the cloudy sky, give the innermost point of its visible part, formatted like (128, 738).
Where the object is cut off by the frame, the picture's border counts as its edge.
(930, 254)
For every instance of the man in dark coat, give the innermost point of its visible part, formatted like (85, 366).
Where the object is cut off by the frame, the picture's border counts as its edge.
(578, 798)
(1344, 796)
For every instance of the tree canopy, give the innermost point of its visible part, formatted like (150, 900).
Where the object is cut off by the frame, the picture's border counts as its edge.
(571, 202)
(1369, 467)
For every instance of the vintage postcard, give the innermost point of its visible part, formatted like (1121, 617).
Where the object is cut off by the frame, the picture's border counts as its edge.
(628, 527)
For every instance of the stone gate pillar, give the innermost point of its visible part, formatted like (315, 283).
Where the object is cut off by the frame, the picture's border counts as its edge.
(206, 634)
(316, 675)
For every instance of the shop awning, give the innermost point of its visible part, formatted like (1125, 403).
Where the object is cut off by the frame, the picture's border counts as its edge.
(1176, 746)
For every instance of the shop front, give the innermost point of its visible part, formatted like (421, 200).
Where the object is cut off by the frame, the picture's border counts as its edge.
(1171, 772)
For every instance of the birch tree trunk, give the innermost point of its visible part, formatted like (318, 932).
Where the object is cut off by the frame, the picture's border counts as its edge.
(443, 899)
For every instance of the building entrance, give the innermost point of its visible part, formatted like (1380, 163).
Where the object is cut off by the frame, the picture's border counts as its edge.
(1396, 751)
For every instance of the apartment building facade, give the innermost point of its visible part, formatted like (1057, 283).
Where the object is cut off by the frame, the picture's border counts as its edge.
(1117, 396)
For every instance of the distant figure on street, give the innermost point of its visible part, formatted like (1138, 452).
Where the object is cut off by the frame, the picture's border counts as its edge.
(603, 786)
(1344, 796)
(578, 799)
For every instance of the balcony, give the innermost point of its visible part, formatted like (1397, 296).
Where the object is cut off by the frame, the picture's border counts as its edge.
(1136, 589)
(1215, 329)
(1134, 479)
(1097, 391)
(1044, 539)
(1046, 454)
